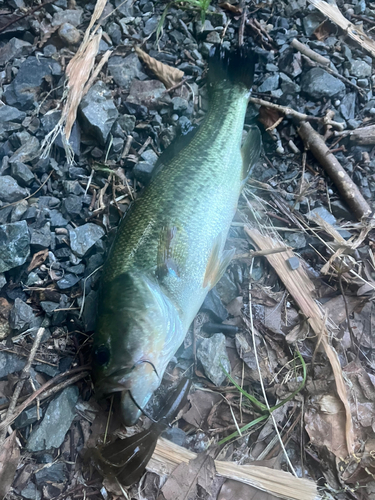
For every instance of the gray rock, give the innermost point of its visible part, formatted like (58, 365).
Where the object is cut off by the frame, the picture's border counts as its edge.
(73, 205)
(360, 69)
(57, 220)
(151, 25)
(213, 37)
(226, 289)
(347, 106)
(270, 83)
(341, 211)
(125, 7)
(212, 304)
(295, 240)
(69, 34)
(98, 111)
(317, 83)
(56, 422)
(19, 211)
(10, 363)
(82, 238)
(354, 124)
(55, 473)
(125, 69)
(21, 315)
(323, 213)
(293, 263)
(72, 16)
(41, 238)
(13, 49)
(212, 353)
(68, 281)
(3, 280)
(127, 123)
(30, 492)
(27, 152)
(148, 93)
(150, 156)
(50, 120)
(179, 104)
(23, 90)
(311, 22)
(10, 119)
(290, 62)
(176, 435)
(10, 191)
(27, 417)
(14, 245)
(143, 171)
(22, 174)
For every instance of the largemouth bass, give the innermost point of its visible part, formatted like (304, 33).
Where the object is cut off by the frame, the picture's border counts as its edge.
(169, 249)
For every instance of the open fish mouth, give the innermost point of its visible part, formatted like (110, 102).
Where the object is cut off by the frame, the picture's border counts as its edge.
(117, 381)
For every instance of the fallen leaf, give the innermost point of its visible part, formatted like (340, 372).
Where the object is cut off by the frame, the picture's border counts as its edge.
(201, 405)
(167, 74)
(183, 483)
(9, 458)
(38, 259)
(234, 490)
(268, 117)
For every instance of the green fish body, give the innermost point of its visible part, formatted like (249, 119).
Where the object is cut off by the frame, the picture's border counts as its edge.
(169, 249)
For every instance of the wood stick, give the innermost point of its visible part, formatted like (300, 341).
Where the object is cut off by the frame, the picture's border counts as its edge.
(349, 191)
(362, 135)
(304, 49)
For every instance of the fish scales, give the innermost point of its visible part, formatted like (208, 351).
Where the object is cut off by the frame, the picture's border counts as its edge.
(168, 251)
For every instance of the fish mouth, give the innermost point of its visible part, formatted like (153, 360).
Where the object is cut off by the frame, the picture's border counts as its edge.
(116, 381)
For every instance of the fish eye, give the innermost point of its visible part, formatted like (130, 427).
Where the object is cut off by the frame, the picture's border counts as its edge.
(102, 355)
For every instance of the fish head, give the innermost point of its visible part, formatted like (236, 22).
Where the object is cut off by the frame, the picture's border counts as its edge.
(138, 331)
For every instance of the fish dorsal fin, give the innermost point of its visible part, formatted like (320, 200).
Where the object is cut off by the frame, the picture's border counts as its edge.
(169, 252)
(250, 151)
(217, 262)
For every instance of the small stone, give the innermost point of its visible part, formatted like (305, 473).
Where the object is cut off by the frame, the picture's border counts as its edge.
(143, 171)
(3, 280)
(40, 238)
(10, 191)
(15, 48)
(82, 238)
(27, 152)
(213, 356)
(125, 69)
(311, 22)
(353, 124)
(150, 156)
(213, 37)
(19, 211)
(14, 245)
(347, 106)
(227, 289)
(179, 104)
(10, 117)
(69, 34)
(21, 315)
(341, 211)
(68, 281)
(323, 213)
(27, 417)
(317, 83)
(50, 120)
(293, 263)
(24, 89)
(148, 93)
(55, 473)
(363, 83)
(73, 205)
(22, 174)
(212, 304)
(30, 492)
(10, 363)
(270, 83)
(127, 123)
(71, 16)
(205, 28)
(360, 69)
(176, 435)
(295, 240)
(99, 111)
(151, 25)
(56, 422)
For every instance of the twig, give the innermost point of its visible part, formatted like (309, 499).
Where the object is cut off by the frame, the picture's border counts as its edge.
(127, 146)
(43, 389)
(296, 114)
(28, 13)
(241, 29)
(304, 49)
(362, 135)
(24, 375)
(331, 165)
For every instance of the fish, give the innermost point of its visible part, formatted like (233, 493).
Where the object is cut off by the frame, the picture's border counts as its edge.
(126, 459)
(169, 249)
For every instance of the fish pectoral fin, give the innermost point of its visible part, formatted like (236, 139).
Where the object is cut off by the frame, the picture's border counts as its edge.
(250, 151)
(217, 263)
(168, 256)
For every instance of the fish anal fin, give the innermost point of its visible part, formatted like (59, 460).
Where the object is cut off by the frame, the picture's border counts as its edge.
(217, 263)
(250, 151)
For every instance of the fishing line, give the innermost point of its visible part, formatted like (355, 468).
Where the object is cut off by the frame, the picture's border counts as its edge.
(141, 409)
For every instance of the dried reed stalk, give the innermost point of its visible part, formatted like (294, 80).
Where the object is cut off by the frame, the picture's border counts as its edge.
(80, 75)
(301, 288)
(168, 455)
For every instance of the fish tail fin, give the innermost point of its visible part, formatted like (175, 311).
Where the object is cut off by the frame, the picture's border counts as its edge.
(235, 68)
